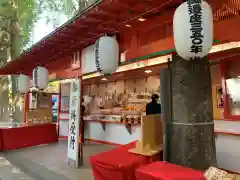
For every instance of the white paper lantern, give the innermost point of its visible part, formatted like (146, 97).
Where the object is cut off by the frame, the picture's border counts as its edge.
(40, 78)
(107, 55)
(193, 29)
(23, 83)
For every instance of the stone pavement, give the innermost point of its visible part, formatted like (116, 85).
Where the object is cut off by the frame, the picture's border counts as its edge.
(47, 162)
(10, 172)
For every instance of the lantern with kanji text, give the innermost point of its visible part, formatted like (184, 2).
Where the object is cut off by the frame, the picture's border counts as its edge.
(193, 29)
(40, 78)
(23, 83)
(107, 55)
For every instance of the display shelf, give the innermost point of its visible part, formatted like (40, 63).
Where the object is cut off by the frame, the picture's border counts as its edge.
(104, 122)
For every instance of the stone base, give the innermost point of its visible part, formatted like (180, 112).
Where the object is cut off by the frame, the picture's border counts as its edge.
(193, 146)
(192, 139)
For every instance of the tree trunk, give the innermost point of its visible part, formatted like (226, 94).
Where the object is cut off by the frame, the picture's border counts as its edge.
(15, 52)
(81, 5)
(192, 141)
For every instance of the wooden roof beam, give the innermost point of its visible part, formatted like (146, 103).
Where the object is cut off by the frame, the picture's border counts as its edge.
(164, 18)
(101, 11)
(124, 14)
(90, 20)
(127, 6)
(106, 29)
(74, 33)
(227, 30)
(79, 24)
(91, 33)
(95, 20)
(143, 4)
(107, 19)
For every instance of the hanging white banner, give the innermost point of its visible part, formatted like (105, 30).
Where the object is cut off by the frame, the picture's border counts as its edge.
(74, 120)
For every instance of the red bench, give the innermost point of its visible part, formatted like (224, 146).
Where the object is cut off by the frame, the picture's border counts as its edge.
(166, 171)
(28, 136)
(118, 164)
(1, 144)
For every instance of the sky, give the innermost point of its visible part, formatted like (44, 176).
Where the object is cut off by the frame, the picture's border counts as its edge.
(42, 28)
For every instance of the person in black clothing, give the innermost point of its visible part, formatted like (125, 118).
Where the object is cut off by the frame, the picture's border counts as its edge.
(153, 107)
(82, 122)
(220, 97)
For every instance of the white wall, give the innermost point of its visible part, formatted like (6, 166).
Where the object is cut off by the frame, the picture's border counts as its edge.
(88, 59)
(63, 124)
(228, 146)
(63, 130)
(228, 152)
(227, 126)
(114, 133)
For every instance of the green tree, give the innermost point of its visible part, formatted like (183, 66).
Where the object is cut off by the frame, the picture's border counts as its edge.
(27, 16)
(53, 10)
(17, 18)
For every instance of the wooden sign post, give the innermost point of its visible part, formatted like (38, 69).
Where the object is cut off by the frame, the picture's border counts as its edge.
(74, 148)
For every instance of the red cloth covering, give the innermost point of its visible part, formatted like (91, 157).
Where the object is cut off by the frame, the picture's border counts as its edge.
(1, 144)
(117, 164)
(28, 136)
(166, 171)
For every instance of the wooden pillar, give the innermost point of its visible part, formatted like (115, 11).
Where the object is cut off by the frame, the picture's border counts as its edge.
(166, 111)
(26, 106)
(192, 141)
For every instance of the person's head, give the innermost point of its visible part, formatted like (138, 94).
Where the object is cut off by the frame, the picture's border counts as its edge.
(155, 97)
